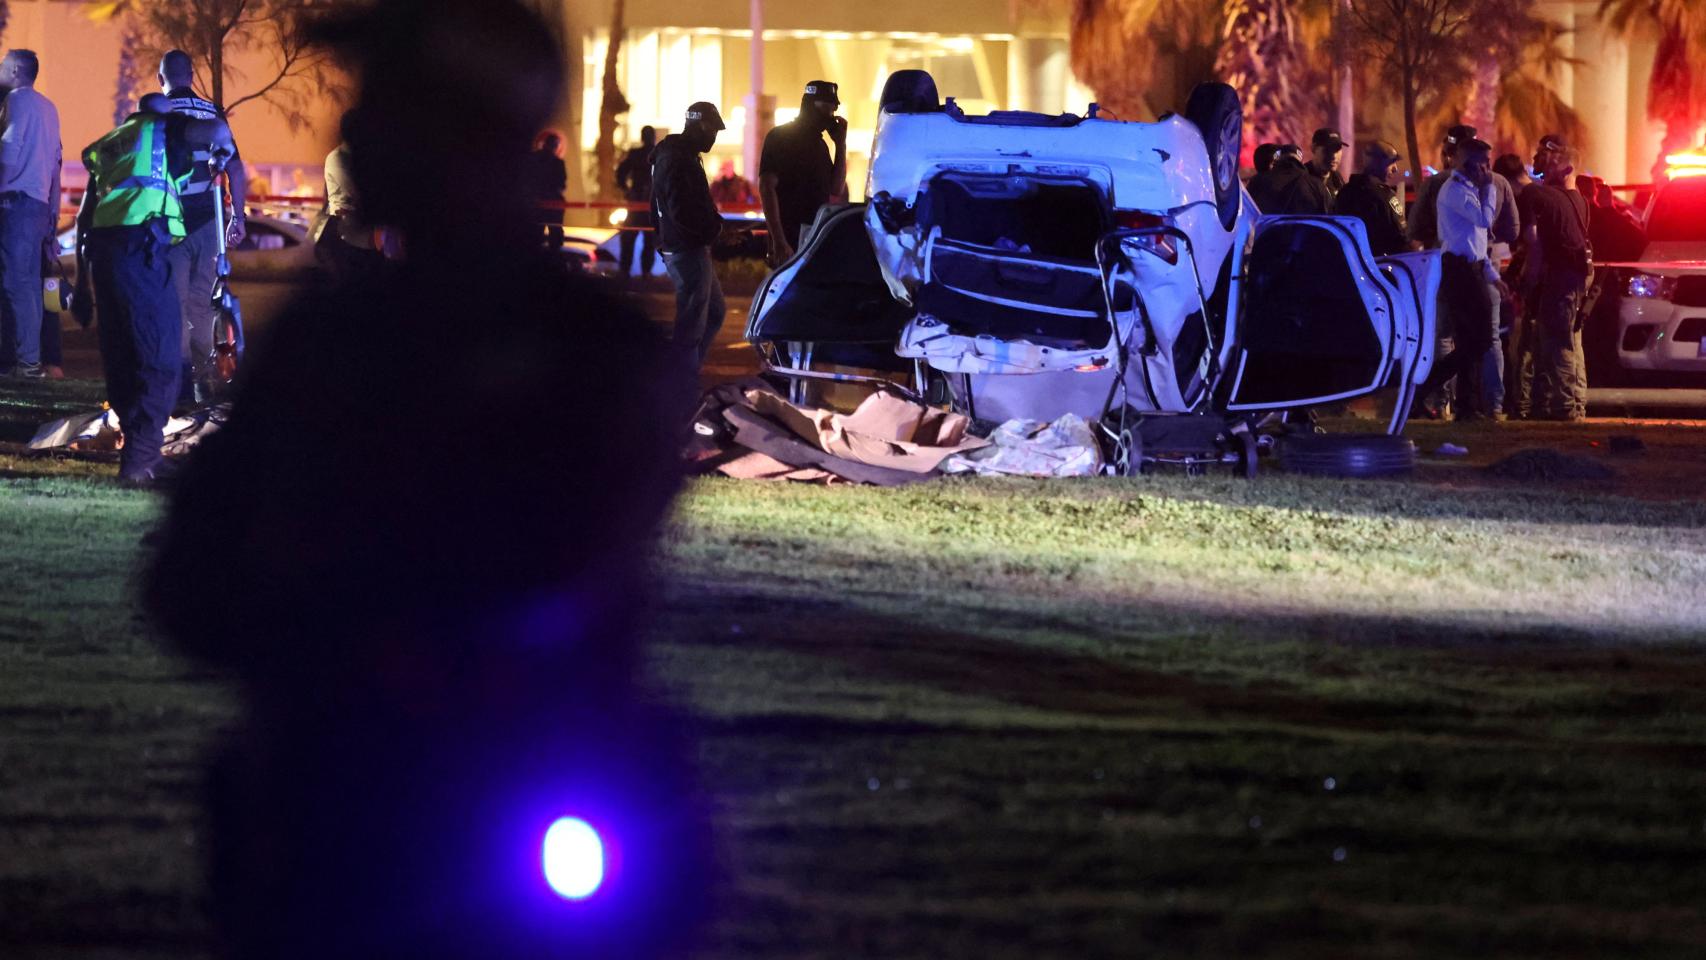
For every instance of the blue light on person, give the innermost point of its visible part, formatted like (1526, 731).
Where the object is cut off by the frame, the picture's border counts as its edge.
(574, 858)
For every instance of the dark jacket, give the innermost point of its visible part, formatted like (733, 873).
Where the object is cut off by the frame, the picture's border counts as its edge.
(687, 217)
(1289, 188)
(1331, 179)
(1381, 212)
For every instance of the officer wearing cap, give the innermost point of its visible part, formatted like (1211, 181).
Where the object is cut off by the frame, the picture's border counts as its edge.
(1369, 195)
(1557, 270)
(1424, 221)
(795, 173)
(1324, 148)
(1287, 187)
(687, 224)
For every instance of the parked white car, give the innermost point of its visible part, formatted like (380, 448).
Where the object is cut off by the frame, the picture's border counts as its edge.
(1029, 266)
(1662, 320)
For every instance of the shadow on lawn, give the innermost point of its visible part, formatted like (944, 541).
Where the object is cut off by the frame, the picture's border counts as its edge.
(1513, 686)
(1480, 497)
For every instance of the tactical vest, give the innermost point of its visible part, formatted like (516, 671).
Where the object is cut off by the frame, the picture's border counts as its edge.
(129, 169)
(194, 107)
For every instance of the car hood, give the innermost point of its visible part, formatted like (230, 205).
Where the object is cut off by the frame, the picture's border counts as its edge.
(1675, 258)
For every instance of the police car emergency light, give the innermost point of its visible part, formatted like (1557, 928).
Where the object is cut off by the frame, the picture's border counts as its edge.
(573, 858)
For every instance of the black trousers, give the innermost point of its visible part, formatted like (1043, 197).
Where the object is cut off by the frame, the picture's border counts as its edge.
(141, 335)
(1466, 299)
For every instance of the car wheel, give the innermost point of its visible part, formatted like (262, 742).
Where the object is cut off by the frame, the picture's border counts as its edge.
(1128, 454)
(1215, 110)
(909, 91)
(1348, 455)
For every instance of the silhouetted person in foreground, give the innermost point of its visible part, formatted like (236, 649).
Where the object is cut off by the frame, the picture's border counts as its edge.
(430, 605)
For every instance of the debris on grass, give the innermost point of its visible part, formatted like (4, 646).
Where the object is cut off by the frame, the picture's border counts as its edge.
(1549, 465)
(1627, 445)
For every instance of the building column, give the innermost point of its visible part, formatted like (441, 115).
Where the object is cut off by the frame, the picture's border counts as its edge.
(1601, 94)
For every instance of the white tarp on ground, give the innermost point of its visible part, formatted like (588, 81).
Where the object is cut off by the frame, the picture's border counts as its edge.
(100, 431)
(1066, 447)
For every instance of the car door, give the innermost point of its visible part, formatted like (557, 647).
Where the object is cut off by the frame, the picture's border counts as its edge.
(830, 297)
(1323, 320)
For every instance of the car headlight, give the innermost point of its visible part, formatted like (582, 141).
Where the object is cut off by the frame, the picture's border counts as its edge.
(1650, 287)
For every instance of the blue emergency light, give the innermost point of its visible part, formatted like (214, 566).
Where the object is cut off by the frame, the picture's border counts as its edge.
(573, 858)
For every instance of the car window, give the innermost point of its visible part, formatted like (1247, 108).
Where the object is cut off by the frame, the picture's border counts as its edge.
(1680, 212)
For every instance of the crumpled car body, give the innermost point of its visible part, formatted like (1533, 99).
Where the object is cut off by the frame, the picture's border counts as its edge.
(1030, 266)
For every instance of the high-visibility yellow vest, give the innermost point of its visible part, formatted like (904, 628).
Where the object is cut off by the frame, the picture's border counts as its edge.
(128, 170)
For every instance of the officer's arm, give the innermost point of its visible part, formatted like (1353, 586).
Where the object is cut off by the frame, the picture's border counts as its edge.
(839, 191)
(54, 197)
(81, 299)
(239, 176)
(772, 209)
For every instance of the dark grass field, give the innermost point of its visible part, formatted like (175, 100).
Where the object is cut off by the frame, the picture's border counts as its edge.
(1449, 717)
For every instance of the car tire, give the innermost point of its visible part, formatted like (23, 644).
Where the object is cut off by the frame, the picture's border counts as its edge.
(1219, 117)
(909, 91)
(1360, 455)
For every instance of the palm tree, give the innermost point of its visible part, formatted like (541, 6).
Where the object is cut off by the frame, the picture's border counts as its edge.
(1676, 95)
(1261, 57)
(1510, 93)
(1142, 57)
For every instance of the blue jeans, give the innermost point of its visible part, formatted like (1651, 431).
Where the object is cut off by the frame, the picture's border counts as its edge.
(698, 298)
(23, 227)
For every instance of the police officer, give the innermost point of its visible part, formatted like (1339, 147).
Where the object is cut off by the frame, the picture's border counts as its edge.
(634, 179)
(795, 173)
(131, 219)
(1325, 148)
(1370, 197)
(193, 259)
(1288, 187)
(1470, 284)
(1556, 274)
(688, 223)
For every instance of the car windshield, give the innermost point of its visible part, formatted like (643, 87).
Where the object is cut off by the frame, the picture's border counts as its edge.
(1680, 212)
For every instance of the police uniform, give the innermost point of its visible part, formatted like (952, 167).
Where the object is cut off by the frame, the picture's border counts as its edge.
(136, 175)
(194, 260)
(796, 153)
(1561, 220)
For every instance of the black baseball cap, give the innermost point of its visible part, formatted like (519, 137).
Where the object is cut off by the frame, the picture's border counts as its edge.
(1554, 142)
(1289, 150)
(1382, 151)
(1327, 137)
(1459, 134)
(706, 113)
(823, 90)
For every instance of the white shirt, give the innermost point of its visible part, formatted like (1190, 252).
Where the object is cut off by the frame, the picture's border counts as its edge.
(29, 145)
(1465, 216)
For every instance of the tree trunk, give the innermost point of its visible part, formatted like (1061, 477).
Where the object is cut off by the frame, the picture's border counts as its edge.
(216, 70)
(1410, 130)
(612, 105)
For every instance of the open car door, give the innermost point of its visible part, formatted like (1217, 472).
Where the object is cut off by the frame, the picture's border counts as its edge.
(1324, 321)
(828, 304)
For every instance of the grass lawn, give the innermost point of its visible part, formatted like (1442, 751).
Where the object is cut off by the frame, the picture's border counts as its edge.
(1448, 717)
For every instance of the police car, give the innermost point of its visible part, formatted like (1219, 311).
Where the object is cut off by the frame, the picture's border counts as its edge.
(1662, 320)
(1035, 265)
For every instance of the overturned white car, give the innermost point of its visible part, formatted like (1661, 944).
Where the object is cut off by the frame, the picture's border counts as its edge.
(1030, 266)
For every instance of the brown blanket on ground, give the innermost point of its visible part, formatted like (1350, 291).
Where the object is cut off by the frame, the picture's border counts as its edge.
(748, 431)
